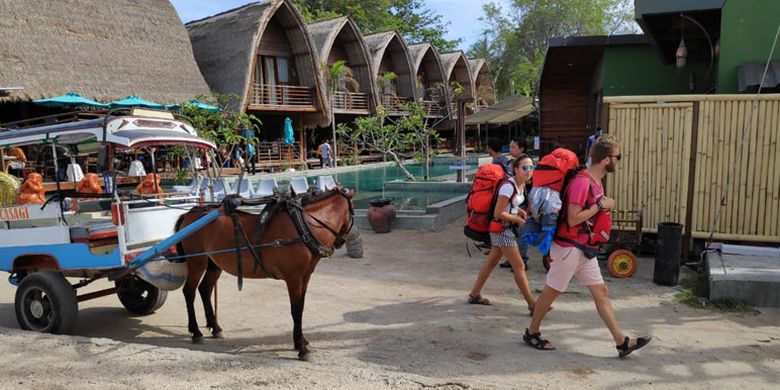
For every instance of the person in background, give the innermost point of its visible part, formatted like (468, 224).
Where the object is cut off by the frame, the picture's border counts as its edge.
(16, 166)
(516, 149)
(590, 141)
(494, 150)
(325, 153)
(252, 156)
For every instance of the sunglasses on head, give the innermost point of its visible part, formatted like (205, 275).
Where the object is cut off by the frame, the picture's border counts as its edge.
(617, 156)
(528, 168)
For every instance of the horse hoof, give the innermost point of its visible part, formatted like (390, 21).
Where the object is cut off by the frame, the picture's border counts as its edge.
(197, 340)
(217, 335)
(304, 356)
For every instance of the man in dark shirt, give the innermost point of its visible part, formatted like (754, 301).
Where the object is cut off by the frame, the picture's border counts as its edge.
(494, 150)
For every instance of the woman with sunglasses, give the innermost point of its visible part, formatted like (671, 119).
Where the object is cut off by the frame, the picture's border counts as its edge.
(508, 219)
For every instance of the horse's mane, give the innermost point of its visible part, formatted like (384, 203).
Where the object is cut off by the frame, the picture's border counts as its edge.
(315, 197)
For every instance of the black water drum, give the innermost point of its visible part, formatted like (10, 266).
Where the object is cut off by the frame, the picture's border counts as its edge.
(668, 254)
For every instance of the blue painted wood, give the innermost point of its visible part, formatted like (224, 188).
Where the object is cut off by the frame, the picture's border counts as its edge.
(68, 256)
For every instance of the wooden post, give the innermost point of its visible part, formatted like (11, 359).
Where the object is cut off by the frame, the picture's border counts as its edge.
(691, 183)
(2, 160)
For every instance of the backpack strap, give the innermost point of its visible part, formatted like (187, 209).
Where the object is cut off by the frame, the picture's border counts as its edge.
(495, 197)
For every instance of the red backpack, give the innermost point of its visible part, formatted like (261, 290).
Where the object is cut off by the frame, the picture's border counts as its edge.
(481, 200)
(597, 229)
(552, 169)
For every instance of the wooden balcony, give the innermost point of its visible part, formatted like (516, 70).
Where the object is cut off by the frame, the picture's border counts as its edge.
(278, 152)
(470, 109)
(282, 98)
(350, 103)
(434, 109)
(394, 105)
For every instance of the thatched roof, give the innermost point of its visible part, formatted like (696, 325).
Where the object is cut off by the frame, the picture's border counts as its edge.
(226, 47)
(456, 66)
(344, 34)
(390, 46)
(483, 82)
(104, 50)
(425, 57)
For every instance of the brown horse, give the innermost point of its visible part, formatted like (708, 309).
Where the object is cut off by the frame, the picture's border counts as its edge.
(328, 216)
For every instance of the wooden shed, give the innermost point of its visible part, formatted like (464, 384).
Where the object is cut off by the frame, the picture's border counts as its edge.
(340, 39)
(389, 53)
(430, 79)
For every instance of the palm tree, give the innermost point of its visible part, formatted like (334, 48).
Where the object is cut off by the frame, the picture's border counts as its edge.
(341, 78)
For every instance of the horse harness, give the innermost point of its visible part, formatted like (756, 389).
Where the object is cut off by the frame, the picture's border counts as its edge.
(295, 209)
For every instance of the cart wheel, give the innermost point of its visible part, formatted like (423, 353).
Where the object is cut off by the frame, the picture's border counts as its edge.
(46, 302)
(138, 296)
(622, 263)
(546, 262)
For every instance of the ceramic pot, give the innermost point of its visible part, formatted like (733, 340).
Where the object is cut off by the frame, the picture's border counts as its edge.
(381, 215)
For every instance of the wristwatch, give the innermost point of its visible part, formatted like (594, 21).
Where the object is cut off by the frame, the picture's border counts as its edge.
(601, 206)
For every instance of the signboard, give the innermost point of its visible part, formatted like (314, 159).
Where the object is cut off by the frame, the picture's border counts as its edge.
(537, 143)
(27, 212)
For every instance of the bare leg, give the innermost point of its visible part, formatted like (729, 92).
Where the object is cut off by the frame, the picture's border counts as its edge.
(518, 266)
(484, 273)
(604, 307)
(546, 299)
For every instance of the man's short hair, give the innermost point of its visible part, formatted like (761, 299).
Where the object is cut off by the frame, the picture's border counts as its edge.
(603, 148)
(495, 145)
(519, 143)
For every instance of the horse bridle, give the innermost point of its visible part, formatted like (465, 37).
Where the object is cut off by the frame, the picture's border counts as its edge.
(340, 237)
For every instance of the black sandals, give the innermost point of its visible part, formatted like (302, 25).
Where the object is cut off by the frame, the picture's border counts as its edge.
(624, 349)
(478, 300)
(535, 341)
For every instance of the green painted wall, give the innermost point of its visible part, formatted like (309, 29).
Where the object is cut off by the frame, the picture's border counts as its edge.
(747, 29)
(638, 70)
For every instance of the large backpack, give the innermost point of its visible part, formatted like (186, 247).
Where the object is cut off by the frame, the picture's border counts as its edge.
(597, 229)
(481, 201)
(552, 169)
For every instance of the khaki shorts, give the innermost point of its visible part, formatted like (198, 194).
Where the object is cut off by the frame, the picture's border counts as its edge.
(566, 262)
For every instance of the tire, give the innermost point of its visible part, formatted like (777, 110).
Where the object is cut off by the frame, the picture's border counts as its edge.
(46, 302)
(138, 296)
(622, 263)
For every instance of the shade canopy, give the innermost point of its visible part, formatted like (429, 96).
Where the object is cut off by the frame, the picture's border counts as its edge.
(508, 110)
(135, 101)
(70, 99)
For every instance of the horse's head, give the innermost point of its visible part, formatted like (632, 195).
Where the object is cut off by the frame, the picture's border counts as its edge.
(348, 220)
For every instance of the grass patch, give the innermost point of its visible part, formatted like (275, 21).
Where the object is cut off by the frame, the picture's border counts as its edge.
(694, 294)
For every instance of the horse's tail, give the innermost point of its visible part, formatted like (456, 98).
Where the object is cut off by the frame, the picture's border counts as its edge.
(176, 228)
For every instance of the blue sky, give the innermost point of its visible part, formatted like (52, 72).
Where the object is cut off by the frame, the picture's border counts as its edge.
(463, 15)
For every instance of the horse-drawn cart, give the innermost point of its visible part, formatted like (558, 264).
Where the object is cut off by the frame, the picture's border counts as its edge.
(88, 236)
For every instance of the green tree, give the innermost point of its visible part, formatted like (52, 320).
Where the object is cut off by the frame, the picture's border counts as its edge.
(514, 40)
(410, 18)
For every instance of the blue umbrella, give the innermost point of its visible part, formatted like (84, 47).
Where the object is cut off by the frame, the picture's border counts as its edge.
(135, 101)
(69, 99)
(195, 103)
(289, 138)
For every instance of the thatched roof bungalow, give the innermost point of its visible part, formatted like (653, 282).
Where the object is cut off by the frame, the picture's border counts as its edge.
(430, 78)
(100, 49)
(390, 54)
(484, 93)
(456, 69)
(340, 39)
(263, 53)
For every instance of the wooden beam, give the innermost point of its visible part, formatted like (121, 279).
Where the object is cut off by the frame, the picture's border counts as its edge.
(687, 238)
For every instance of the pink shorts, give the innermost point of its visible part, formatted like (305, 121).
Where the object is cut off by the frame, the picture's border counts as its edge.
(566, 262)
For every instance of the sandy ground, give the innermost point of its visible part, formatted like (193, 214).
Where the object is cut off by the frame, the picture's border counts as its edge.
(398, 319)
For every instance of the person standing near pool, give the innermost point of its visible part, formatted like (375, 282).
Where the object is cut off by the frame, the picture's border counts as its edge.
(508, 218)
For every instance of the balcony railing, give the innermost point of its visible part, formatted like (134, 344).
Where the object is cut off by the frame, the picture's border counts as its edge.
(283, 97)
(434, 108)
(469, 109)
(394, 104)
(350, 102)
(277, 151)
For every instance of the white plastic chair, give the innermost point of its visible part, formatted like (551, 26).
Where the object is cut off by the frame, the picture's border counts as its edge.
(220, 190)
(298, 185)
(243, 188)
(74, 172)
(326, 183)
(189, 188)
(266, 187)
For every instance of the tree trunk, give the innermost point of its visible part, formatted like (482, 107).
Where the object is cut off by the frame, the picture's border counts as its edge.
(403, 169)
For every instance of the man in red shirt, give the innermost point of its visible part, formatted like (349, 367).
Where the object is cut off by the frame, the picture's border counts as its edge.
(575, 255)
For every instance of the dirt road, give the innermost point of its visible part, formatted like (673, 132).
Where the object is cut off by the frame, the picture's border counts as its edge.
(398, 319)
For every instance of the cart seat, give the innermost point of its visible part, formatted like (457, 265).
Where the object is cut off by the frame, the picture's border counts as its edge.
(103, 231)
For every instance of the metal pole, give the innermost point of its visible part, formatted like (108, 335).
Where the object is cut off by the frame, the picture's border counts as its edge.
(461, 137)
(333, 127)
